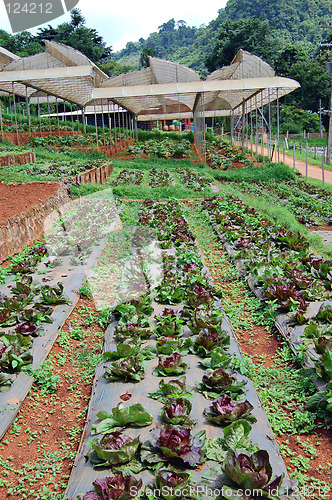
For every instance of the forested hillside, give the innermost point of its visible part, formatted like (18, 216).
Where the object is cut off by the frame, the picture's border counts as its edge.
(290, 21)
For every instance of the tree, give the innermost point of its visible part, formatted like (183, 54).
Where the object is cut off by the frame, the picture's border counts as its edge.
(22, 44)
(294, 62)
(75, 34)
(144, 57)
(252, 34)
(114, 68)
(289, 55)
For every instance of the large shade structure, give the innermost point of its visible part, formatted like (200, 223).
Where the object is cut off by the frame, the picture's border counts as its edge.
(60, 71)
(168, 90)
(164, 90)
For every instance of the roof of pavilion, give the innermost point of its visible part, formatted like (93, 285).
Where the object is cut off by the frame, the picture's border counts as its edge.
(164, 89)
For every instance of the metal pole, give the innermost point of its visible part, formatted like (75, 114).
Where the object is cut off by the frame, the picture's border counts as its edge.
(115, 136)
(320, 118)
(306, 163)
(123, 128)
(72, 118)
(243, 123)
(329, 140)
(119, 122)
(96, 126)
(14, 102)
(103, 122)
(27, 108)
(109, 123)
(10, 108)
(278, 123)
(83, 119)
(57, 115)
(284, 151)
(294, 153)
(256, 126)
(262, 141)
(323, 171)
(49, 114)
(38, 109)
(1, 123)
(127, 124)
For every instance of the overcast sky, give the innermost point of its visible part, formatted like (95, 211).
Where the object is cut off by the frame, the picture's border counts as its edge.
(126, 21)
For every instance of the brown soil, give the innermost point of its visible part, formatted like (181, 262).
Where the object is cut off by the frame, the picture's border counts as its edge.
(320, 228)
(16, 198)
(47, 431)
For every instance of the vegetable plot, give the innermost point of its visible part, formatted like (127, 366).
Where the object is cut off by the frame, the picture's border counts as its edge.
(31, 312)
(283, 272)
(171, 354)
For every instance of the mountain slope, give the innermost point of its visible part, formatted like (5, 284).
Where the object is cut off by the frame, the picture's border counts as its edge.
(291, 21)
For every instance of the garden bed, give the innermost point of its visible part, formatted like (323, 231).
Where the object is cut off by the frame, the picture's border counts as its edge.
(24, 208)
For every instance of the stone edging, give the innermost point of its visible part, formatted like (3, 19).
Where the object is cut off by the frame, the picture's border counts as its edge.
(23, 229)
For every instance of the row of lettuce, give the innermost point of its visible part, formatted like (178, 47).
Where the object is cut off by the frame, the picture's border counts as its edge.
(157, 178)
(192, 323)
(285, 274)
(26, 304)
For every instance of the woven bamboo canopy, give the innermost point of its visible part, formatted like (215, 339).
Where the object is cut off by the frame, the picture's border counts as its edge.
(164, 90)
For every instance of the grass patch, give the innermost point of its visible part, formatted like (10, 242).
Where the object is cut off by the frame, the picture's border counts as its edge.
(272, 171)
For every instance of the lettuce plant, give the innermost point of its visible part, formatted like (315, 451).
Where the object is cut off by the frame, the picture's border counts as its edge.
(172, 389)
(225, 410)
(287, 296)
(169, 323)
(132, 331)
(130, 368)
(252, 474)
(325, 313)
(27, 328)
(14, 353)
(37, 314)
(171, 365)
(117, 487)
(174, 485)
(168, 345)
(130, 347)
(176, 411)
(113, 449)
(120, 417)
(53, 294)
(169, 443)
(220, 381)
(209, 338)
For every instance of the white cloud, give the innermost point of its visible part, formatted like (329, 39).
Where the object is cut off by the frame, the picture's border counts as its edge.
(119, 23)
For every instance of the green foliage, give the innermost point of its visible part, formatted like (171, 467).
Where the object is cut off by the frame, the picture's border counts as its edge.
(273, 171)
(75, 34)
(45, 378)
(295, 120)
(144, 57)
(253, 35)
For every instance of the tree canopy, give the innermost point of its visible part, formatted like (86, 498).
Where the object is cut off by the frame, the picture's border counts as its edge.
(75, 34)
(253, 35)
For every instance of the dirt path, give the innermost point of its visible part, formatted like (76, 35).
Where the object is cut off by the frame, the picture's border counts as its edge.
(313, 171)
